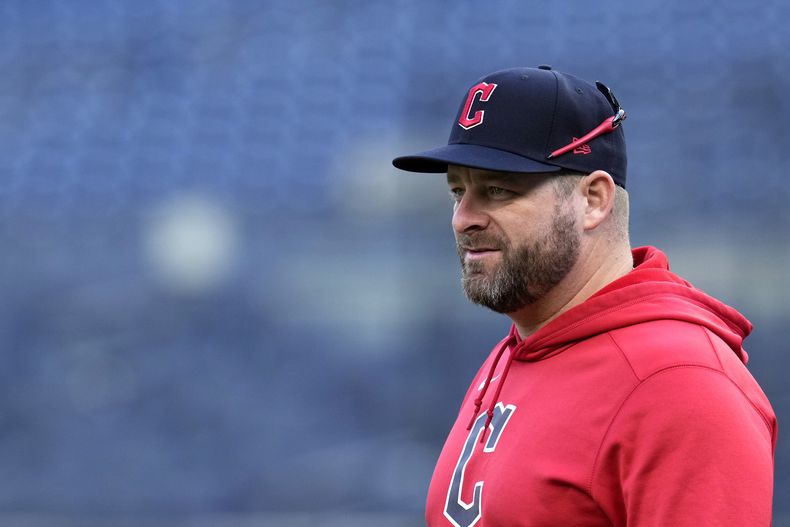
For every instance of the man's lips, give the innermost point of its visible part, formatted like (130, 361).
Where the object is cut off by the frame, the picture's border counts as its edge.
(478, 252)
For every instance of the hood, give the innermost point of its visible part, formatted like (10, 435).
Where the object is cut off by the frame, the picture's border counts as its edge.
(649, 292)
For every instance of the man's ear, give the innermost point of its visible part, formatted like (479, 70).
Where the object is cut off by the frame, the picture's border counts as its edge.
(598, 189)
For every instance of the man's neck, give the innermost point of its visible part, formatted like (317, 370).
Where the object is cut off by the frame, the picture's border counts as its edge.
(586, 278)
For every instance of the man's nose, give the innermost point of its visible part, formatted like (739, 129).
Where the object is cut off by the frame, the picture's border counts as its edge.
(469, 215)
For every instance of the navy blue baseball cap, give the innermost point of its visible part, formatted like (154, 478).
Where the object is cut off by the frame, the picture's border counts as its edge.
(532, 120)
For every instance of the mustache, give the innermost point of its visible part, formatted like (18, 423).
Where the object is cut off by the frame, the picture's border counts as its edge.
(480, 240)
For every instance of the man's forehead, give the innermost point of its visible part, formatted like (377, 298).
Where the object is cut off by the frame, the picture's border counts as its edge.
(457, 173)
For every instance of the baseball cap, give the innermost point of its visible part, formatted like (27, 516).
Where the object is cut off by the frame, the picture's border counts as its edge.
(532, 120)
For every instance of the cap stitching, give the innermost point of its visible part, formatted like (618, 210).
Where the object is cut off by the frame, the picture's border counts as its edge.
(554, 112)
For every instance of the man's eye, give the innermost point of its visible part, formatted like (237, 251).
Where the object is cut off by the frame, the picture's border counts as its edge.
(497, 192)
(456, 193)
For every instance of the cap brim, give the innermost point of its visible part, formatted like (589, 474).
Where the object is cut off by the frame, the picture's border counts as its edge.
(473, 156)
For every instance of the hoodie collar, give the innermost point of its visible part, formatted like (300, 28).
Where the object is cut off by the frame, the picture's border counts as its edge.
(649, 292)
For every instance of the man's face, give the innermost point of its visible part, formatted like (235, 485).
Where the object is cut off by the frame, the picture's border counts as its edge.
(516, 238)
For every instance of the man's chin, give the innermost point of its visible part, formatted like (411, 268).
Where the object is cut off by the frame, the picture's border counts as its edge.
(479, 269)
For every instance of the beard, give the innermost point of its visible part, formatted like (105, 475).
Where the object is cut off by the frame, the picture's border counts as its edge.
(526, 272)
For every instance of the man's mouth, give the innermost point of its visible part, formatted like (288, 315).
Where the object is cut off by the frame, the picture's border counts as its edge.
(478, 252)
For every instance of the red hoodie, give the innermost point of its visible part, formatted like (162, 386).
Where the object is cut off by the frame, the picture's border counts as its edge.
(634, 408)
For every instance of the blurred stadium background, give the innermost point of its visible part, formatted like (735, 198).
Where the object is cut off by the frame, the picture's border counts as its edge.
(222, 306)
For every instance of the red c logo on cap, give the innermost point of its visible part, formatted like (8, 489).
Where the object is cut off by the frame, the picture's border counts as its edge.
(485, 90)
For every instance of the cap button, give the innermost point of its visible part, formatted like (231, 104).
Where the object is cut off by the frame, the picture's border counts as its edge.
(544, 67)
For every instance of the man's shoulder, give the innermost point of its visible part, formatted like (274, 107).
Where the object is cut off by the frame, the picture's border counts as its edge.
(653, 346)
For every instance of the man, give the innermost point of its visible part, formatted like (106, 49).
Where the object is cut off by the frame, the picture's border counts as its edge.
(619, 396)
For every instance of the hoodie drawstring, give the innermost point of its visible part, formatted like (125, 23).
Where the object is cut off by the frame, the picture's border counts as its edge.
(494, 400)
(479, 399)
